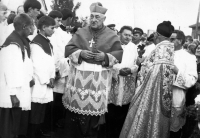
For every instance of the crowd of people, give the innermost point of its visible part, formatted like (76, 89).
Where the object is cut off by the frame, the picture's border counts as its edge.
(93, 78)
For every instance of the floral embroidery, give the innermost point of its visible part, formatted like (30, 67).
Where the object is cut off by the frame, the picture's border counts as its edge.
(86, 95)
(180, 80)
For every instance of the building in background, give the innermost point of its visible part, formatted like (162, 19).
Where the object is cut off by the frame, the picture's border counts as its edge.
(194, 30)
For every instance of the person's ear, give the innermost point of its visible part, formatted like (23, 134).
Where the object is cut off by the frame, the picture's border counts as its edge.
(23, 26)
(43, 27)
(30, 9)
(180, 41)
(104, 18)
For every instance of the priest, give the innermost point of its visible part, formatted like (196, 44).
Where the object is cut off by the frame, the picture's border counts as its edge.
(123, 83)
(186, 77)
(93, 51)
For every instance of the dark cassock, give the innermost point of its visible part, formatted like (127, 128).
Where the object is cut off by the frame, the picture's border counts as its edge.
(86, 94)
(15, 76)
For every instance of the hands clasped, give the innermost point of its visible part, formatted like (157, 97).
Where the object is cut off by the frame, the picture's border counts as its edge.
(100, 56)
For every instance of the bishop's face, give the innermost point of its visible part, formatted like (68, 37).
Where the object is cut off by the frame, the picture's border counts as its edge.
(96, 20)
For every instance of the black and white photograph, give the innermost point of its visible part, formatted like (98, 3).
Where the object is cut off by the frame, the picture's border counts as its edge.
(99, 69)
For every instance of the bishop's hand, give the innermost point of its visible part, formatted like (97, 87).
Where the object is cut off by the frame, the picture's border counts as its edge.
(87, 54)
(15, 101)
(100, 56)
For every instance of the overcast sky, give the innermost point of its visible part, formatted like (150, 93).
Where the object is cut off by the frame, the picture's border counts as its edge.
(146, 14)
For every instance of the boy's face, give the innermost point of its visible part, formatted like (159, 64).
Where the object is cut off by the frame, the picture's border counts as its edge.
(28, 29)
(34, 13)
(49, 30)
(58, 22)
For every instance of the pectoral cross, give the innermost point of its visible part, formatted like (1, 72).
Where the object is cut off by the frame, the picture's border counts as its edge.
(91, 42)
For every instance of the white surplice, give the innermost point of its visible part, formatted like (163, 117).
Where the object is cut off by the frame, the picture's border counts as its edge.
(59, 40)
(44, 70)
(186, 78)
(148, 49)
(129, 58)
(15, 77)
(118, 95)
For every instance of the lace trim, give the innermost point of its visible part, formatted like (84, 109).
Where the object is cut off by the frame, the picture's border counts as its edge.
(40, 100)
(112, 60)
(92, 113)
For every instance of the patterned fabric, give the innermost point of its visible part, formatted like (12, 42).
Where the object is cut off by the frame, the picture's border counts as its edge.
(87, 91)
(150, 108)
(121, 93)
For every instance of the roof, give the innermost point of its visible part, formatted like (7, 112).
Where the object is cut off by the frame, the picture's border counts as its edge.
(194, 25)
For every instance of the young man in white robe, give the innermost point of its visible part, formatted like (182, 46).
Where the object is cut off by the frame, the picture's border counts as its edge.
(44, 72)
(15, 79)
(123, 83)
(186, 76)
(32, 8)
(62, 66)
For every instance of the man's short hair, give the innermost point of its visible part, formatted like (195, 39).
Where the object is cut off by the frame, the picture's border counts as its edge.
(127, 28)
(66, 13)
(34, 4)
(11, 18)
(180, 35)
(22, 20)
(55, 14)
(46, 21)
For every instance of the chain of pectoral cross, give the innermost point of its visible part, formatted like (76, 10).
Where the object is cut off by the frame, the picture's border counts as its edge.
(94, 37)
